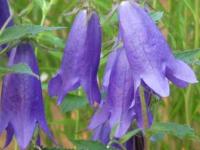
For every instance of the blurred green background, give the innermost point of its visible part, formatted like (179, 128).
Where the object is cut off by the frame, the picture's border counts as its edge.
(181, 26)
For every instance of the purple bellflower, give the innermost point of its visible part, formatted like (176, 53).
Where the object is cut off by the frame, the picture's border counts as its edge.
(80, 60)
(115, 110)
(148, 53)
(21, 107)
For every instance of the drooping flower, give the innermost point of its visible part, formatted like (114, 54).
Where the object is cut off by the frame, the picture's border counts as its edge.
(116, 108)
(80, 60)
(21, 107)
(148, 53)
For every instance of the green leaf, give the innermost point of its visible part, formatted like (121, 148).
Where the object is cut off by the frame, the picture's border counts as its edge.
(72, 102)
(130, 134)
(157, 137)
(156, 16)
(41, 3)
(53, 148)
(49, 39)
(18, 68)
(89, 145)
(177, 130)
(189, 56)
(21, 31)
(113, 130)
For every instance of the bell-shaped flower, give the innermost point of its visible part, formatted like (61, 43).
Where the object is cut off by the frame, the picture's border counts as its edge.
(148, 53)
(21, 107)
(80, 60)
(116, 109)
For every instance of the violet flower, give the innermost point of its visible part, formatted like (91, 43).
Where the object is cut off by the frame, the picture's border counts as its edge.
(80, 60)
(148, 53)
(21, 105)
(118, 81)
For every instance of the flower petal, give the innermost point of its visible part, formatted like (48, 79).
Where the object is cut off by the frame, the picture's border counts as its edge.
(101, 133)
(181, 71)
(9, 136)
(109, 65)
(54, 85)
(91, 59)
(5, 12)
(100, 116)
(120, 94)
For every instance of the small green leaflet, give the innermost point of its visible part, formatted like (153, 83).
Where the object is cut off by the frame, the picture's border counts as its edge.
(52, 148)
(21, 31)
(50, 40)
(156, 16)
(129, 135)
(113, 131)
(72, 102)
(17, 68)
(189, 56)
(177, 130)
(89, 145)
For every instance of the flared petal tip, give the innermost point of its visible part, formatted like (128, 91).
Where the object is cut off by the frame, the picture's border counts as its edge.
(60, 99)
(158, 84)
(178, 71)
(54, 85)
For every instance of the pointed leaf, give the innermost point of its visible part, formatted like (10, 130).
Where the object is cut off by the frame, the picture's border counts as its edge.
(178, 130)
(18, 68)
(89, 145)
(73, 102)
(21, 31)
(130, 134)
(189, 56)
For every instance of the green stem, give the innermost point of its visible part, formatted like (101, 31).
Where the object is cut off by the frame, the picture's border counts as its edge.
(43, 19)
(197, 22)
(196, 44)
(187, 104)
(16, 146)
(154, 3)
(116, 142)
(145, 117)
(77, 125)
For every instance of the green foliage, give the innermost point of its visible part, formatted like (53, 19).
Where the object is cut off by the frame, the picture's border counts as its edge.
(23, 31)
(189, 56)
(18, 68)
(156, 16)
(73, 102)
(177, 130)
(89, 145)
(128, 135)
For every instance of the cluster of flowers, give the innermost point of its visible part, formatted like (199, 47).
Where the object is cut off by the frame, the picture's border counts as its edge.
(142, 59)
